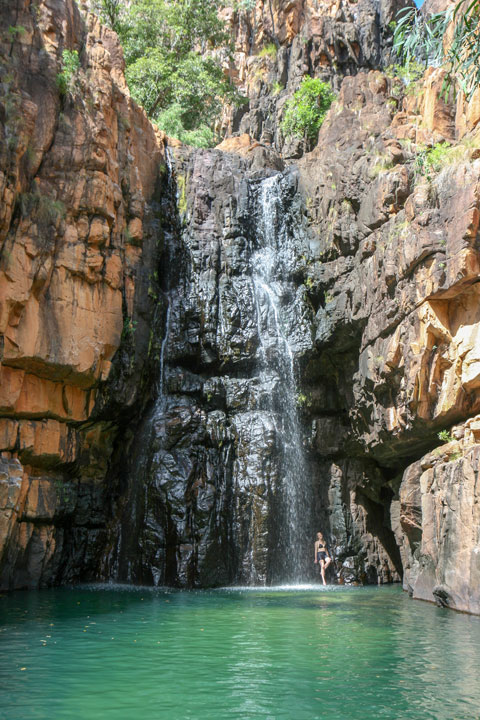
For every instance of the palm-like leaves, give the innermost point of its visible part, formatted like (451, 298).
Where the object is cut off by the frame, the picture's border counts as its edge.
(421, 39)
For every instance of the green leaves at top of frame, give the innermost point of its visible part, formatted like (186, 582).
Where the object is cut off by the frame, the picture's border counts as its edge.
(420, 38)
(173, 51)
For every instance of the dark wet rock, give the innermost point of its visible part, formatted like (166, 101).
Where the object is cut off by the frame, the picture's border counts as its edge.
(211, 451)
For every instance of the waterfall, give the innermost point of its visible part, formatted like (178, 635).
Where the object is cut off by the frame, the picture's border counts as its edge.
(217, 486)
(271, 268)
(161, 379)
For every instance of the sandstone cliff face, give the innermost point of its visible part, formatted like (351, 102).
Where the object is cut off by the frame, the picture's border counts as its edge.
(77, 174)
(439, 523)
(395, 282)
(278, 43)
(165, 338)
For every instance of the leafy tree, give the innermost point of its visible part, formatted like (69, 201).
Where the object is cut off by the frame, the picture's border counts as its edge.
(306, 110)
(109, 11)
(421, 38)
(445, 436)
(170, 67)
(463, 55)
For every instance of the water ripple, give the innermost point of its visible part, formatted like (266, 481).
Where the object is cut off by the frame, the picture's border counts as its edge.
(283, 653)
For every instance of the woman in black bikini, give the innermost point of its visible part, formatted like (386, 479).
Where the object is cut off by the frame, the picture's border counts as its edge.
(321, 555)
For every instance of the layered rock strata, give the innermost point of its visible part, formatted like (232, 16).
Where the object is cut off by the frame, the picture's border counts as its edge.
(439, 522)
(395, 281)
(277, 43)
(77, 231)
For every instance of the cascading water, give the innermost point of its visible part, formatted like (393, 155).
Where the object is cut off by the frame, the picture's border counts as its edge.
(217, 486)
(271, 282)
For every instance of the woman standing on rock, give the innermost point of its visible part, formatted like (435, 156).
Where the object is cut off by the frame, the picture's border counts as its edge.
(322, 556)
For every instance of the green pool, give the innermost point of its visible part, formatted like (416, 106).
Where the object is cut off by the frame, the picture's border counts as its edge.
(284, 654)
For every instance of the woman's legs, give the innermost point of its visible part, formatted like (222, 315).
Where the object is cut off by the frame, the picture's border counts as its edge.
(327, 562)
(322, 570)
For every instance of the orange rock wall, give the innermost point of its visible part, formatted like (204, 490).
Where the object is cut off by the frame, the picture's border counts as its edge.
(395, 285)
(77, 174)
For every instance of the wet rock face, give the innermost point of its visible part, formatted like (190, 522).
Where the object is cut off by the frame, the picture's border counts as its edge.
(248, 450)
(77, 232)
(216, 461)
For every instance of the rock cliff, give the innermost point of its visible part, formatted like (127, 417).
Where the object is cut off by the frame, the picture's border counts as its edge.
(78, 185)
(278, 43)
(206, 362)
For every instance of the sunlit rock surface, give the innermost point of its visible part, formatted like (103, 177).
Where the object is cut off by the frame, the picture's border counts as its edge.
(78, 175)
(144, 395)
(439, 523)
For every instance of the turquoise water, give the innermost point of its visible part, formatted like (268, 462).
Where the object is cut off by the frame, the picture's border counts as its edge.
(337, 653)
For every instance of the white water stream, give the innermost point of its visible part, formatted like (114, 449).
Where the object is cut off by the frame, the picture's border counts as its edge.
(270, 275)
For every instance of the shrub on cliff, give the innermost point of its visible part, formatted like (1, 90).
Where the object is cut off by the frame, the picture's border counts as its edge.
(306, 110)
(69, 70)
(172, 70)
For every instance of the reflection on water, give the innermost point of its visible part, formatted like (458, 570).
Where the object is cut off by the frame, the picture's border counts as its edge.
(281, 654)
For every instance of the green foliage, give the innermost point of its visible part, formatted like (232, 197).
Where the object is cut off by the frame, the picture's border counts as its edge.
(65, 493)
(182, 194)
(109, 11)
(15, 31)
(269, 50)
(455, 456)
(445, 436)
(127, 235)
(244, 5)
(129, 327)
(463, 55)
(432, 160)
(381, 164)
(409, 73)
(438, 156)
(171, 69)
(303, 400)
(306, 110)
(41, 208)
(277, 87)
(398, 231)
(70, 68)
(420, 38)
(172, 121)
